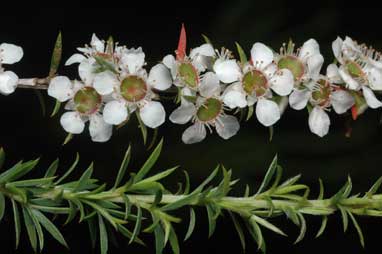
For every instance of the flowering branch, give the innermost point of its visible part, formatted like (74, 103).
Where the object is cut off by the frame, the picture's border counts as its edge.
(210, 85)
(141, 204)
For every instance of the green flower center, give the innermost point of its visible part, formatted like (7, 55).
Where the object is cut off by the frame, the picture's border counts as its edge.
(321, 96)
(354, 69)
(293, 64)
(255, 82)
(87, 100)
(210, 109)
(188, 74)
(133, 88)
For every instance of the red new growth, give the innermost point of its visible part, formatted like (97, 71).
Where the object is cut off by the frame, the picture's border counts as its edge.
(181, 51)
(354, 112)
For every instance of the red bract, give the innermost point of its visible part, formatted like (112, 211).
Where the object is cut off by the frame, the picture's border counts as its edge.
(181, 51)
(354, 112)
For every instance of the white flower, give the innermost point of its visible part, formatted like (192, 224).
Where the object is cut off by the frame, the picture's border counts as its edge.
(304, 63)
(256, 83)
(322, 93)
(9, 54)
(84, 104)
(205, 110)
(132, 89)
(360, 68)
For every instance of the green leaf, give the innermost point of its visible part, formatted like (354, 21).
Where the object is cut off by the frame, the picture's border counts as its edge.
(174, 243)
(256, 233)
(302, 228)
(2, 157)
(345, 219)
(18, 171)
(291, 181)
(102, 235)
(211, 219)
(41, 101)
(50, 227)
(56, 108)
(208, 179)
(31, 230)
(268, 225)
(321, 193)
(271, 132)
(137, 227)
(180, 203)
(191, 225)
(104, 65)
(142, 127)
(374, 188)
(70, 170)
(16, 218)
(187, 184)
(149, 163)
(2, 206)
(52, 168)
(358, 228)
(56, 56)
(323, 226)
(38, 228)
(156, 177)
(122, 168)
(125, 232)
(206, 39)
(67, 139)
(268, 176)
(159, 239)
(243, 57)
(92, 225)
(239, 230)
(31, 182)
(250, 113)
(85, 177)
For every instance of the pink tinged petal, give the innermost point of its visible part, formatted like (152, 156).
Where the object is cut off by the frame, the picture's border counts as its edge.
(61, 88)
(267, 112)
(8, 82)
(115, 112)
(97, 43)
(282, 82)
(183, 114)
(209, 85)
(194, 134)
(341, 101)
(319, 121)
(160, 77)
(134, 60)
(370, 98)
(10, 53)
(86, 70)
(314, 65)
(105, 82)
(228, 71)
(261, 55)
(99, 130)
(227, 126)
(299, 98)
(333, 74)
(350, 82)
(72, 122)
(375, 79)
(76, 58)
(309, 49)
(337, 48)
(152, 114)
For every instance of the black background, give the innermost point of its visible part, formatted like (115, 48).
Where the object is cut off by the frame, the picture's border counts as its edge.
(25, 133)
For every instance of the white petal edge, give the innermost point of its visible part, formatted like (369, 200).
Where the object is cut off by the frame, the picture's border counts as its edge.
(152, 114)
(105, 82)
(115, 112)
(209, 85)
(227, 126)
(298, 99)
(267, 112)
(319, 122)
(8, 82)
(309, 49)
(183, 113)
(370, 98)
(99, 130)
(160, 77)
(282, 82)
(61, 88)
(10, 53)
(72, 122)
(76, 58)
(194, 134)
(341, 101)
(261, 55)
(228, 71)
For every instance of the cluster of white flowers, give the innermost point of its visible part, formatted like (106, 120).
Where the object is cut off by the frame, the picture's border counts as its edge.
(9, 54)
(211, 86)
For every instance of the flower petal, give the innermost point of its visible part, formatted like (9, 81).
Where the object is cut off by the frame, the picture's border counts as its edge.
(282, 82)
(314, 66)
(8, 82)
(319, 121)
(350, 82)
(183, 113)
(61, 88)
(261, 55)
(234, 96)
(209, 85)
(370, 98)
(99, 130)
(341, 101)
(299, 98)
(76, 58)
(309, 49)
(228, 71)
(105, 82)
(115, 112)
(72, 122)
(134, 59)
(205, 49)
(160, 77)
(97, 44)
(267, 112)
(170, 62)
(194, 134)
(227, 126)
(86, 70)
(152, 114)
(10, 53)
(375, 78)
(333, 74)
(337, 48)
